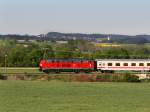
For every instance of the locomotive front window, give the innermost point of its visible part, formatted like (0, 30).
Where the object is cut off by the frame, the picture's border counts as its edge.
(133, 64)
(141, 64)
(109, 64)
(117, 64)
(125, 64)
(148, 64)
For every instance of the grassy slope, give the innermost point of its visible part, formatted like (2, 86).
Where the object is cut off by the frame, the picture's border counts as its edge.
(21, 96)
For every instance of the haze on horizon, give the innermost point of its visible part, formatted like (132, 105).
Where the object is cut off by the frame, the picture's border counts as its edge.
(81, 16)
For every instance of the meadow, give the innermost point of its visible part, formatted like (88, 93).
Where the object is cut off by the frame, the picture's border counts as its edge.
(57, 96)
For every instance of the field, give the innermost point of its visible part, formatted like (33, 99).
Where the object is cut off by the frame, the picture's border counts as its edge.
(20, 70)
(116, 45)
(54, 96)
(107, 45)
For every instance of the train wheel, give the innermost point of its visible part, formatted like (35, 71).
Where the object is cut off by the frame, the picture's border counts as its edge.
(77, 71)
(57, 71)
(87, 71)
(102, 71)
(46, 71)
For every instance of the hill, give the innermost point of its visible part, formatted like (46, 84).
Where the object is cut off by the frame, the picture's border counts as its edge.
(101, 38)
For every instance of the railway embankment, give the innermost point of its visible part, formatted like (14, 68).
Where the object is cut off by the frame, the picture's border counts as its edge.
(81, 77)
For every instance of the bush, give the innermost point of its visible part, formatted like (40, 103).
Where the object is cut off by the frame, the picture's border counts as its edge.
(145, 80)
(2, 77)
(131, 78)
(117, 78)
(107, 78)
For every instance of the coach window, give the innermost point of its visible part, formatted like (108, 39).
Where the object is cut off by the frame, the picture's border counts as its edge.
(117, 64)
(103, 64)
(133, 64)
(125, 64)
(109, 64)
(141, 64)
(148, 64)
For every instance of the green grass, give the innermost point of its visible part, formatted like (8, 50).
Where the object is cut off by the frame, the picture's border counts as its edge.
(19, 70)
(26, 96)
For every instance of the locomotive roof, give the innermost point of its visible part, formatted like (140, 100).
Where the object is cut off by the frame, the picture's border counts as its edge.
(69, 59)
(122, 59)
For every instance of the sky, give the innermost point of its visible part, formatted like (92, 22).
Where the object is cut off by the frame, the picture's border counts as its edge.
(129, 17)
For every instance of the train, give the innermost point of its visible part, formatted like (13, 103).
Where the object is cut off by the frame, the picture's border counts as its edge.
(58, 65)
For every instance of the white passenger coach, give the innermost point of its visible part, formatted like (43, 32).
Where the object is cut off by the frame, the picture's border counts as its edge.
(123, 64)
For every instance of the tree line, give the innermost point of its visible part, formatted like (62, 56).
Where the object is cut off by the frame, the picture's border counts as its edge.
(29, 55)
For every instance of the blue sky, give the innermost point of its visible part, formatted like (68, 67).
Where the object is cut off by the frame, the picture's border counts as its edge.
(84, 16)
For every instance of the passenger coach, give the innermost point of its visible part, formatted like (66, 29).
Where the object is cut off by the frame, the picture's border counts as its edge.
(123, 64)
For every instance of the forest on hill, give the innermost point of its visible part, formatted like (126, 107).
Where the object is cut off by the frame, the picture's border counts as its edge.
(101, 38)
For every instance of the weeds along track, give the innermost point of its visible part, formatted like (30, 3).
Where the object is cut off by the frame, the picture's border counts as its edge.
(44, 76)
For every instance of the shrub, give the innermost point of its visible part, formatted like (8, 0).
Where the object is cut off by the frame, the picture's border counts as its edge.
(2, 77)
(131, 78)
(145, 80)
(117, 78)
(104, 78)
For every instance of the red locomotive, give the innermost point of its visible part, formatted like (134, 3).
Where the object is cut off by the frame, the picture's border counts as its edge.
(67, 65)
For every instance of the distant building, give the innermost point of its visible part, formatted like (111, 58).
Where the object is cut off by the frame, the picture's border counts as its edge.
(32, 40)
(62, 42)
(21, 41)
(41, 35)
(108, 38)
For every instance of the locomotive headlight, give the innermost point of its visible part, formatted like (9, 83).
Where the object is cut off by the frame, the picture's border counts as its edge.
(41, 64)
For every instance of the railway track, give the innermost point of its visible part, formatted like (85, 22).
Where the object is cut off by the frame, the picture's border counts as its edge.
(63, 73)
(68, 73)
